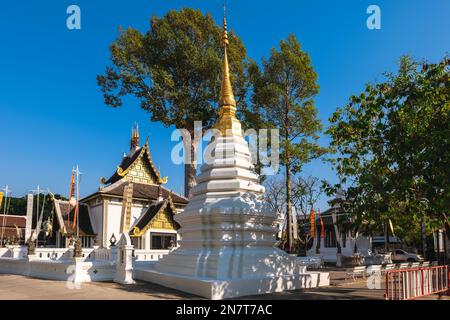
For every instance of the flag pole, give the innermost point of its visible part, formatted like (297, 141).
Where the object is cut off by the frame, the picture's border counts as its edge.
(78, 199)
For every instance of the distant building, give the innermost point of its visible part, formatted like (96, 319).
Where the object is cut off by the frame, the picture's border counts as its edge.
(12, 228)
(336, 233)
(132, 199)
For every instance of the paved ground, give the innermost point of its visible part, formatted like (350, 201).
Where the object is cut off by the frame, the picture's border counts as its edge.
(13, 287)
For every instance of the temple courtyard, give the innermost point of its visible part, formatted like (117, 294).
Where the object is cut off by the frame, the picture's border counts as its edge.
(14, 287)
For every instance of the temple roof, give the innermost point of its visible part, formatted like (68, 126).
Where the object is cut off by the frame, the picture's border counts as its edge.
(63, 214)
(143, 222)
(140, 191)
(128, 161)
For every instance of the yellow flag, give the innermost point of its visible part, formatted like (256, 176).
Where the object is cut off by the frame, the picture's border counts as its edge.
(1, 199)
(392, 227)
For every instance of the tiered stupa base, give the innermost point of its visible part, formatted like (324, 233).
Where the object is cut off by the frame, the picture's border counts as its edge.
(228, 236)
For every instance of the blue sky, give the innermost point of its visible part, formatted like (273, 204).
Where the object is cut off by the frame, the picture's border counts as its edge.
(52, 111)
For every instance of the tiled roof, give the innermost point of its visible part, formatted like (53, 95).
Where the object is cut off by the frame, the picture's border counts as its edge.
(10, 221)
(142, 191)
(11, 232)
(84, 221)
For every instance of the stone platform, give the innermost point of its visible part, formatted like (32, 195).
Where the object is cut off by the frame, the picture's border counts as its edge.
(231, 288)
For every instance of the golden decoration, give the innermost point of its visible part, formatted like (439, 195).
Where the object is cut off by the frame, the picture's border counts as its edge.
(163, 180)
(227, 123)
(136, 232)
(122, 172)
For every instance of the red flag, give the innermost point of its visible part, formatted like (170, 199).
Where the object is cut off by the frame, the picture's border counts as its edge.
(75, 215)
(322, 227)
(73, 201)
(312, 222)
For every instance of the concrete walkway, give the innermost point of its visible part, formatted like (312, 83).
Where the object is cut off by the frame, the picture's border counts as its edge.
(13, 287)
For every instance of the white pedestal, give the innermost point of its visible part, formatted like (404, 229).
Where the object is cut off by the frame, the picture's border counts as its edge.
(79, 274)
(16, 252)
(339, 260)
(124, 265)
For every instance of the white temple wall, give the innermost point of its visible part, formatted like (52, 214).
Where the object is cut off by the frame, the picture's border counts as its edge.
(136, 212)
(96, 213)
(113, 223)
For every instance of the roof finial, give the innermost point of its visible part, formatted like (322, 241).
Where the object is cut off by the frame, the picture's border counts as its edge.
(134, 143)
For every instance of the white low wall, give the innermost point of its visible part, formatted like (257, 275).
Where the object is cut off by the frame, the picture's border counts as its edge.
(5, 252)
(64, 270)
(14, 266)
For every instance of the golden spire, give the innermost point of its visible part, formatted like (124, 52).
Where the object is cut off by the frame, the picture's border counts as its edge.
(227, 103)
(226, 90)
(134, 142)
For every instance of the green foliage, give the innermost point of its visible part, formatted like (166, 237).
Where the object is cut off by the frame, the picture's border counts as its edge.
(283, 98)
(174, 68)
(18, 206)
(393, 148)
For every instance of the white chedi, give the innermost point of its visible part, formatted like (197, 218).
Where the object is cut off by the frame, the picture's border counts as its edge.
(227, 232)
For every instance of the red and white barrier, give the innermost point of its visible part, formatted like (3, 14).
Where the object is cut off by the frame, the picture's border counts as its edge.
(407, 284)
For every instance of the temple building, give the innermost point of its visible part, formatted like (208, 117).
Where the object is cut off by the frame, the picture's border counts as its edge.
(132, 200)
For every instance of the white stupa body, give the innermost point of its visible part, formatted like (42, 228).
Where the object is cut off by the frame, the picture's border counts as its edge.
(228, 235)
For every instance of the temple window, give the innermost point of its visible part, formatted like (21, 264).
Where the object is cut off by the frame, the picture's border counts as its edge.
(163, 241)
(330, 239)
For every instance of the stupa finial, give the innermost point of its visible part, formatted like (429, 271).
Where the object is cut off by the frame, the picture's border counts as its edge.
(226, 90)
(227, 102)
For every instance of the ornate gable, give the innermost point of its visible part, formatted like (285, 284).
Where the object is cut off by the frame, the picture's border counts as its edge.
(158, 216)
(142, 170)
(137, 167)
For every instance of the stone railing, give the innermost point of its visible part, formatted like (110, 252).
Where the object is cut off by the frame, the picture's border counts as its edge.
(53, 253)
(89, 254)
(149, 255)
(102, 254)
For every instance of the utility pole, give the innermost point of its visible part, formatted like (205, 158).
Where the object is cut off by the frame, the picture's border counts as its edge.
(78, 199)
(7, 190)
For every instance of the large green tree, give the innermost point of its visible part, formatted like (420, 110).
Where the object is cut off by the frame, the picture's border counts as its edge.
(283, 96)
(393, 148)
(174, 70)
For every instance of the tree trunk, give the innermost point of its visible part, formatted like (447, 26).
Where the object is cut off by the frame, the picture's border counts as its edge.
(190, 165)
(424, 239)
(386, 236)
(288, 205)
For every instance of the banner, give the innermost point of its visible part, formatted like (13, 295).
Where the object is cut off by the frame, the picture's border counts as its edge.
(1, 199)
(392, 227)
(295, 226)
(322, 227)
(312, 220)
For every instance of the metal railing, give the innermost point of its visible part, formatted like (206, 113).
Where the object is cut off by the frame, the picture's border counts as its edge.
(407, 284)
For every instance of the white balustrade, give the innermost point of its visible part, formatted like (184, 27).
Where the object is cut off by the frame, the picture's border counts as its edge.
(149, 255)
(53, 253)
